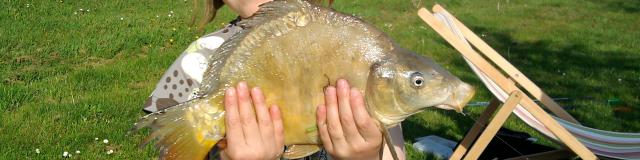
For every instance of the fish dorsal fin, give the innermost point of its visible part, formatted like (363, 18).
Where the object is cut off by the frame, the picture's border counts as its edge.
(272, 19)
(299, 151)
(276, 10)
(322, 2)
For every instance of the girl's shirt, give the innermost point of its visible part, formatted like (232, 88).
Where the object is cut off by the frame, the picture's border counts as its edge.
(181, 81)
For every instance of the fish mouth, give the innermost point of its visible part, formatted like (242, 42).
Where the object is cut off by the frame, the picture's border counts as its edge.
(460, 97)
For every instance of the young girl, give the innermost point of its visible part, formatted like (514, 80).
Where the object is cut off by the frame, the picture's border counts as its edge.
(343, 106)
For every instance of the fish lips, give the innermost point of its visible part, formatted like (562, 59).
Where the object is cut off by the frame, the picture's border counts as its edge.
(456, 108)
(462, 94)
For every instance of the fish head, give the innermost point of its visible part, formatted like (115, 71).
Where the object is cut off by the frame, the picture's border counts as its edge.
(407, 83)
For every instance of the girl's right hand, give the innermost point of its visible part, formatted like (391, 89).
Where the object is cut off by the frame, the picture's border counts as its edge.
(253, 130)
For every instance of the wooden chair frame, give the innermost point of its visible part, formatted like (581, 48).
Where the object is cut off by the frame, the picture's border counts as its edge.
(485, 129)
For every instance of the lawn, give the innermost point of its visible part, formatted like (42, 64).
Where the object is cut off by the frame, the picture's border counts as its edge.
(76, 73)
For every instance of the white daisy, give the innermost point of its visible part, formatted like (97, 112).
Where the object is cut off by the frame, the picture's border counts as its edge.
(105, 141)
(37, 151)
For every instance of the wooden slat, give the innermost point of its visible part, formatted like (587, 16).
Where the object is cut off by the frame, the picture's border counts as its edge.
(496, 122)
(506, 85)
(511, 70)
(560, 132)
(468, 52)
(475, 130)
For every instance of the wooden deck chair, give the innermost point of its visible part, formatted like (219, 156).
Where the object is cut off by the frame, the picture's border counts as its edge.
(479, 136)
(604, 143)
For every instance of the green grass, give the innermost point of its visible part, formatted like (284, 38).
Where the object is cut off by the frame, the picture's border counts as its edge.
(68, 78)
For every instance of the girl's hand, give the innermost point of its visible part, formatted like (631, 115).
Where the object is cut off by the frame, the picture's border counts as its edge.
(346, 129)
(253, 130)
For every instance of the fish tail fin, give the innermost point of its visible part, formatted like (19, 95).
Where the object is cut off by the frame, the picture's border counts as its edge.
(185, 131)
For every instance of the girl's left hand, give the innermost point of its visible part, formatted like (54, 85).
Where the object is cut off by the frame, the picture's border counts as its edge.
(346, 129)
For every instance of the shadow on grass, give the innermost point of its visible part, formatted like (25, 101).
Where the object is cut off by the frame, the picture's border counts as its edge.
(415, 127)
(577, 71)
(629, 6)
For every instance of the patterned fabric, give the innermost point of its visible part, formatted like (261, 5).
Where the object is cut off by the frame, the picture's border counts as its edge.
(181, 81)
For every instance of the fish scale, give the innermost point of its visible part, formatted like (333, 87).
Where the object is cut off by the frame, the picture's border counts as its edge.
(292, 50)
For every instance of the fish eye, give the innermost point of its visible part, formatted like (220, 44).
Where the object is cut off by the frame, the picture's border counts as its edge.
(417, 80)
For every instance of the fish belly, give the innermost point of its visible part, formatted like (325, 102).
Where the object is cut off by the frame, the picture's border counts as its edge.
(294, 68)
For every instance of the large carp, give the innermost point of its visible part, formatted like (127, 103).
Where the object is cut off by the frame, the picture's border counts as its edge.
(292, 50)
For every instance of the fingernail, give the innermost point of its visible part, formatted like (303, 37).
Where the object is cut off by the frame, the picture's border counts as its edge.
(342, 82)
(275, 109)
(354, 91)
(320, 109)
(230, 91)
(330, 89)
(242, 84)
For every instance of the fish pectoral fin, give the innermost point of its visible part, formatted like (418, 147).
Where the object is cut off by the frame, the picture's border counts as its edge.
(299, 151)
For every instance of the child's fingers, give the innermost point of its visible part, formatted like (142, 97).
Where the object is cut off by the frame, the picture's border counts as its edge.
(232, 118)
(278, 128)
(333, 119)
(364, 122)
(262, 113)
(321, 118)
(346, 117)
(247, 115)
